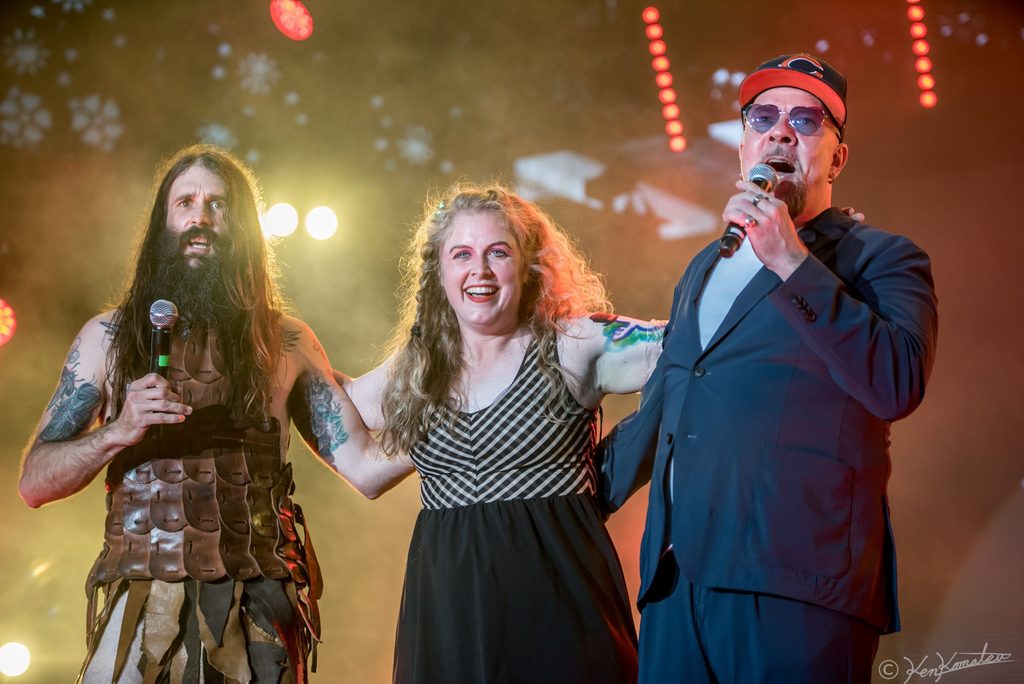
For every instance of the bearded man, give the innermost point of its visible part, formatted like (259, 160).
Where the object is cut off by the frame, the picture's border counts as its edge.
(764, 430)
(203, 573)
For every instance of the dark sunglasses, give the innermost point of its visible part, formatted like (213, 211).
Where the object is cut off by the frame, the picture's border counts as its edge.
(804, 120)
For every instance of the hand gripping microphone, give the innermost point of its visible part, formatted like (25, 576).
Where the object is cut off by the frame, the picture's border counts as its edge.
(163, 315)
(764, 177)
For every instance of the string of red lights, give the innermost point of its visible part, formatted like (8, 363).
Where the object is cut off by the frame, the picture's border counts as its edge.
(921, 48)
(663, 78)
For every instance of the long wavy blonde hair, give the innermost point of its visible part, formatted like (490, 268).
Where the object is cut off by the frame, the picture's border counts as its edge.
(558, 285)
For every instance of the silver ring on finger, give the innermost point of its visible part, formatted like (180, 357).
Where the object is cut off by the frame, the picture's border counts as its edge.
(750, 222)
(758, 198)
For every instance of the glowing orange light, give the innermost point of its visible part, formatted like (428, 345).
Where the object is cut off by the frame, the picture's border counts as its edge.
(8, 322)
(915, 12)
(921, 47)
(923, 65)
(657, 47)
(670, 111)
(660, 63)
(667, 95)
(677, 143)
(929, 99)
(663, 79)
(918, 30)
(654, 31)
(674, 127)
(913, 2)
(651, 15)
(292, 18)
(925, 81)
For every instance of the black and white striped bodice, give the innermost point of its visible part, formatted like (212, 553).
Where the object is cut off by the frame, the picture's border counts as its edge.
(510, 450)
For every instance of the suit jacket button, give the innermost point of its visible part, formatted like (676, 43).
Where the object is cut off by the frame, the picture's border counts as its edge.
(668, 438)
(699, 372)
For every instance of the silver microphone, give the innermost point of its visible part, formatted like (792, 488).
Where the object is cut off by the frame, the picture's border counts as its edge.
(163, 315)
(764, 177)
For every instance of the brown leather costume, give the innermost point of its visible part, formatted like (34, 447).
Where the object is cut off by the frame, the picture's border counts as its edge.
(207, 500)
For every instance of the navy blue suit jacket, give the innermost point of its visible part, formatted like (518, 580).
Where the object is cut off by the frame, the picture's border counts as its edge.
(779, 428)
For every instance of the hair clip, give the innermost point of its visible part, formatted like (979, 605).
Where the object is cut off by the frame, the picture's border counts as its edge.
(416, 330)
(440, 210)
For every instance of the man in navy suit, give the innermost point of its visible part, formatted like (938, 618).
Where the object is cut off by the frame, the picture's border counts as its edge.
(767, 553)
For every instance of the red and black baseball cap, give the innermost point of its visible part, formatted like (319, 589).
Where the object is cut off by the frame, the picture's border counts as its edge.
(803, 71)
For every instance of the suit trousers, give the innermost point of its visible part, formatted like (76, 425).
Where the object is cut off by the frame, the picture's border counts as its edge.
(695, 634)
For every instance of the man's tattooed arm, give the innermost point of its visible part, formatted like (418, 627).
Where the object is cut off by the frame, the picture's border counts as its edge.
(74, 403)
(290, 340)
(318, 417)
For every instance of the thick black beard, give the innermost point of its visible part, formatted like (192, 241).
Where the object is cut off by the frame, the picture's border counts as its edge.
(198, 291)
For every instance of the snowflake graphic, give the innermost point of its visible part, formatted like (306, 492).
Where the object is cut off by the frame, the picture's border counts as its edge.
(72, 5)
(98, 120)
(415, 146)
(22, 120)
(217, 134)
(258, 72)
(24, 53)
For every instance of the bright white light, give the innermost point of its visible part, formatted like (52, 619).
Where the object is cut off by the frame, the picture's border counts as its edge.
(14, 659)
(321, 222)
(280, 220)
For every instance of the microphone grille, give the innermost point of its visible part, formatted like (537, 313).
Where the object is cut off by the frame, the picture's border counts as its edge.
(163, 314)
(765, 174)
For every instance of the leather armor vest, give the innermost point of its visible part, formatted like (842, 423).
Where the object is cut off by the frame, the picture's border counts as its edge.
(206, 498)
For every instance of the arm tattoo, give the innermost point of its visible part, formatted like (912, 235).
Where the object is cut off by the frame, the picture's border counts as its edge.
(290, 339)
(321, 419)
(620, 334)
(72, 405)
(109, 329)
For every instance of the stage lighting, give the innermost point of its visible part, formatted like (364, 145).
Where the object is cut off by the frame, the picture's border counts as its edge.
(651, 15)
(663, 78)
(920, 47)
(14, 659)
(321, 223)
(280, 220)
(8, 322)
(291, 18)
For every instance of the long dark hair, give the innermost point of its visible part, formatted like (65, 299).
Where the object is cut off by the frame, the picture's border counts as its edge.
(252, 348)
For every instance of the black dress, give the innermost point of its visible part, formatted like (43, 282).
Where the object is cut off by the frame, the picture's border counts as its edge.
(511, 575)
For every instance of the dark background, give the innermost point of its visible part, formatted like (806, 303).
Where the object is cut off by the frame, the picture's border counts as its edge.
(388, 100)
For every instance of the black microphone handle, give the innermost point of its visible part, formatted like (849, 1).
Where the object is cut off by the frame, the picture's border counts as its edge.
(160, 351)
(735, 234)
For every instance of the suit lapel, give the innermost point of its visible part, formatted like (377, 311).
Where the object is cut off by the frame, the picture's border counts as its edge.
(763, 282)
(822, 238)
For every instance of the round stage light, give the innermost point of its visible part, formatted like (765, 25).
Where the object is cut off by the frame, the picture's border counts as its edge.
(14, 659)
(929, 99)
(651, 15)
(321, 223)
(280, 220)
(8, 322)
(291, 18)
(677, 143)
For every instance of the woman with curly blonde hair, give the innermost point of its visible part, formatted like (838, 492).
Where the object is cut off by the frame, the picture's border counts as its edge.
(496, 372)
